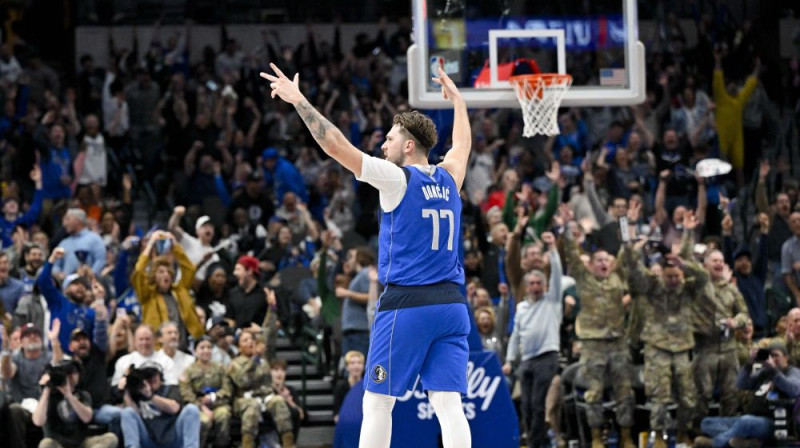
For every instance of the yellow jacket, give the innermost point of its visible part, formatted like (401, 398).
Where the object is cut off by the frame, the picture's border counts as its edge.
(730, 108)
(154, 309)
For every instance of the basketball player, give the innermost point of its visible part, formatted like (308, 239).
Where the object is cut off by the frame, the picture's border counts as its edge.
(422, 322)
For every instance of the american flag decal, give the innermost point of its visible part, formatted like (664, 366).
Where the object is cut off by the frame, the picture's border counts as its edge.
(613, 77)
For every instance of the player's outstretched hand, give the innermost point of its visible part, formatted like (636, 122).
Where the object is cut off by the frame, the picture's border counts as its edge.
(287, 89)
(449, 89)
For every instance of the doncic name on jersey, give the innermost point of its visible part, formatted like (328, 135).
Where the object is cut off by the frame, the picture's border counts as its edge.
(436, 191)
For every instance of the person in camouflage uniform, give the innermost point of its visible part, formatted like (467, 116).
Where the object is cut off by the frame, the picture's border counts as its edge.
(719, 311)
(249, 385)
(746, 349)
(201, 384)
(666, 309)
(745, 346)
(791, 339)
(600, 327)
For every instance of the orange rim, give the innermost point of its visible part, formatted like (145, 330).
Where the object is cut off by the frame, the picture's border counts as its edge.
(548, 78)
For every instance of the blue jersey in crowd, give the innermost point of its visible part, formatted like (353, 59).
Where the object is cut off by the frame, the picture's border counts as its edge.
(70, 314)
(58, 164)
(30, 217)
(419, 239)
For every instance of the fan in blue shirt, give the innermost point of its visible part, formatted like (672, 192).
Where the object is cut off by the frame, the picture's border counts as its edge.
(71, 306)
(11, 218)
(11, 289)
(82, 246)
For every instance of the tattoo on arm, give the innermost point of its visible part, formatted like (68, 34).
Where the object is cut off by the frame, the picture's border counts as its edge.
(314, 120)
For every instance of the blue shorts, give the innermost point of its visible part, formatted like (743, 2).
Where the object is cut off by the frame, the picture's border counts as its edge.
(429, 341)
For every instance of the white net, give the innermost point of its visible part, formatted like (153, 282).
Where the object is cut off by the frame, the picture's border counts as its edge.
(540, 97)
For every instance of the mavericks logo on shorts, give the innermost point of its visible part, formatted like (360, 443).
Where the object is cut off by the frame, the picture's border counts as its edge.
(378, 374)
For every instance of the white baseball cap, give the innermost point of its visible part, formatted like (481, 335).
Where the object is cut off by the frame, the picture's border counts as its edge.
(201, 221)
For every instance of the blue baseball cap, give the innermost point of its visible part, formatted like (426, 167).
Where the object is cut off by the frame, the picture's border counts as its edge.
(269, 153)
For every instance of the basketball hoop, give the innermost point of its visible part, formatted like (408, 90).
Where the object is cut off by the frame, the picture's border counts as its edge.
(540, 96)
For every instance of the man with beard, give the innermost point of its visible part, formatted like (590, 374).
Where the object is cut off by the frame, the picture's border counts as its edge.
(412, 255)
(32, 307)
(21, 372)
(91, 351)
(11, 289)
(71, 306)
(33, 260)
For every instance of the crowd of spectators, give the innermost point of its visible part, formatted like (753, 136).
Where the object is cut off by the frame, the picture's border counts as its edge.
(164, 332)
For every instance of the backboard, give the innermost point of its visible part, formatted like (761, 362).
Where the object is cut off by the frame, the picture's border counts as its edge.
(477, 42)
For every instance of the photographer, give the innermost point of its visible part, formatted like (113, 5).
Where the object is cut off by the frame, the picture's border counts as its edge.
(770, 377)
(64, 410)
(153, 416)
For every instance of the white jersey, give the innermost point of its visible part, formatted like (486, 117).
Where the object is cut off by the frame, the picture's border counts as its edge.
(95, 170)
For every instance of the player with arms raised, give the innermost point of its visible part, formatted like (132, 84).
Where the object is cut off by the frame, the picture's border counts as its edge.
(422, 321)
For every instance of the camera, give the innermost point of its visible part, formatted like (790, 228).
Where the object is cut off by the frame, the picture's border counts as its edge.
(136, 379)
(762, 355)
(59, 372)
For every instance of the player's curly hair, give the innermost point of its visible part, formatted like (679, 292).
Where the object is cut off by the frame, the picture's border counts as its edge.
(419, 128)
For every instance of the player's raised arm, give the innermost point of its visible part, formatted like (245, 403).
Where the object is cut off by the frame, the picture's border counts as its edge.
(455, 161)
(329, 138)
